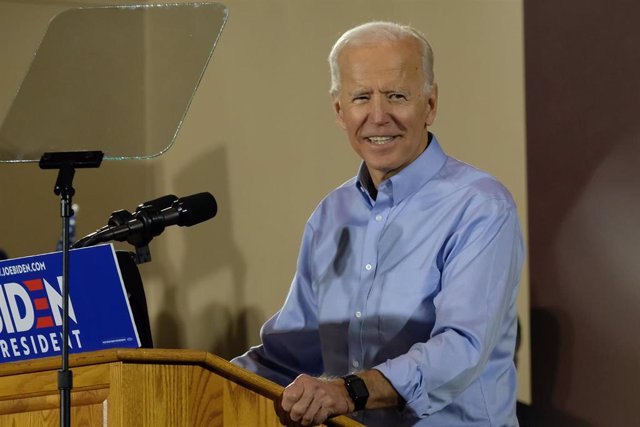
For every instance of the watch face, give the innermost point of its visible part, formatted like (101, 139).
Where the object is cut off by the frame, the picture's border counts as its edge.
(357, 390)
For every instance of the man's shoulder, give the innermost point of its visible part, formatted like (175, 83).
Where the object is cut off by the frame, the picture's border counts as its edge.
(465, 180)
(342, 193)
(340, 199)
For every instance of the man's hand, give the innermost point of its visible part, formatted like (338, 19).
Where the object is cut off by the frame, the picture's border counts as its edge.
(309, 401)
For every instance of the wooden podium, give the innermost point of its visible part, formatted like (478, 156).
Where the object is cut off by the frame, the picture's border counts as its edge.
(141, 387)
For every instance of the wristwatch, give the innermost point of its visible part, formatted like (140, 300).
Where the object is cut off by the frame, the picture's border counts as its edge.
(357, 390)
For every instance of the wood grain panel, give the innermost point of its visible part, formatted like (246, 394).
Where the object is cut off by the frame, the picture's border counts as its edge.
(38, 383)
(141, 388)
(157, 395)
(242, 407)
(42, 411)
(206, 397)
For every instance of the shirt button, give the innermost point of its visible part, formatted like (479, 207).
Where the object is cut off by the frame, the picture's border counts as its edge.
(368, 267)
(355, 364)
(378, 218)
(358, 314)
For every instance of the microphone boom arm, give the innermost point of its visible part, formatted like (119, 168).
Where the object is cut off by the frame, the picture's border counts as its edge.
(150, 220)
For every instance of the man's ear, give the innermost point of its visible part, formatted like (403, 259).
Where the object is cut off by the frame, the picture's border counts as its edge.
(433, 105)
(337, 108)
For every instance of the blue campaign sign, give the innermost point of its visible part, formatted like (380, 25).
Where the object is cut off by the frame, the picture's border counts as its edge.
(31, 305)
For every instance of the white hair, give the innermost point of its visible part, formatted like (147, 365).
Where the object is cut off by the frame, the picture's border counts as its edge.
(376, 32)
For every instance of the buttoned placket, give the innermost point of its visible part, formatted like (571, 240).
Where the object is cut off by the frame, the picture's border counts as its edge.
(359, 321)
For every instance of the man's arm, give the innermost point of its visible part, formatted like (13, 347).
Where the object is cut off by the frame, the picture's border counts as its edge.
(473, 313)
(290, 339)
(310, 401)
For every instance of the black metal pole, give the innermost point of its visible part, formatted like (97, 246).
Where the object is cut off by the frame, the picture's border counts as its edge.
(65, 190)
(65, 375)
(66, 163)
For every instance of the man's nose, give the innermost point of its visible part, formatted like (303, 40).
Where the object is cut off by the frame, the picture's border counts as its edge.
(379, 113)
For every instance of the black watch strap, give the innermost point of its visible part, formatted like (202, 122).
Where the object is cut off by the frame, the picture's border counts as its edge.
(357, 390)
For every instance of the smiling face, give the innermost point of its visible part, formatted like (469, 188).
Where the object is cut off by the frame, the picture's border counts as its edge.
(382, 105)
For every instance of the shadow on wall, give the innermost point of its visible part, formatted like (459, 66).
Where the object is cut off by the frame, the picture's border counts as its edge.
(209, 251)
(546, 326)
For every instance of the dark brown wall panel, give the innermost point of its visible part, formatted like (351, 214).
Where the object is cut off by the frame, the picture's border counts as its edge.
(583, 149)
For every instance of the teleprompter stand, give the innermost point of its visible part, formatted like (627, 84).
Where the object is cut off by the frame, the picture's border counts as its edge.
(67, 163)
(100, 84)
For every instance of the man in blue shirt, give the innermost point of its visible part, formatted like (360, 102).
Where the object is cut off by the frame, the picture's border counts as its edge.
(403, 307)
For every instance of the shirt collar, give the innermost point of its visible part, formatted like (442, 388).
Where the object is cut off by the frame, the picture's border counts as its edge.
(409, 179)
(364, 183)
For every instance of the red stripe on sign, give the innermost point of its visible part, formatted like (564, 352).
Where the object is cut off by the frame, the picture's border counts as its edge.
(34, 285)
(44, 322)
(41, 303)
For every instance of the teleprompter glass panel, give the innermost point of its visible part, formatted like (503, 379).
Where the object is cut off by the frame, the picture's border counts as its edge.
(116, 78)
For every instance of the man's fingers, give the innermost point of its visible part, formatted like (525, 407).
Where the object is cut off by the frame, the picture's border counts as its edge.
(299, 409)
(309, 417)
(310, 401)
(321, 416)
(297, 397)
(292, 393)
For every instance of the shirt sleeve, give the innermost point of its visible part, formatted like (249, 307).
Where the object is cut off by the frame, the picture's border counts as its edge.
(482, 260)
(290, 339)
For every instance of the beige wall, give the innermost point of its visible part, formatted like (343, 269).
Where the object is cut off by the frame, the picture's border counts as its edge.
(260, 135)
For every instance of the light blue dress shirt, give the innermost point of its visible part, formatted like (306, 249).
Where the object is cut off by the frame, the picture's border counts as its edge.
(419, 283)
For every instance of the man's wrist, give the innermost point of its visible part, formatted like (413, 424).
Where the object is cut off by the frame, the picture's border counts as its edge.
(357, 391)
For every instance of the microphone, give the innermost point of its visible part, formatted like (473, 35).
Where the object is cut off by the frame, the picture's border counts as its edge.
(150, 219)
(121, 216)
(159, 203)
